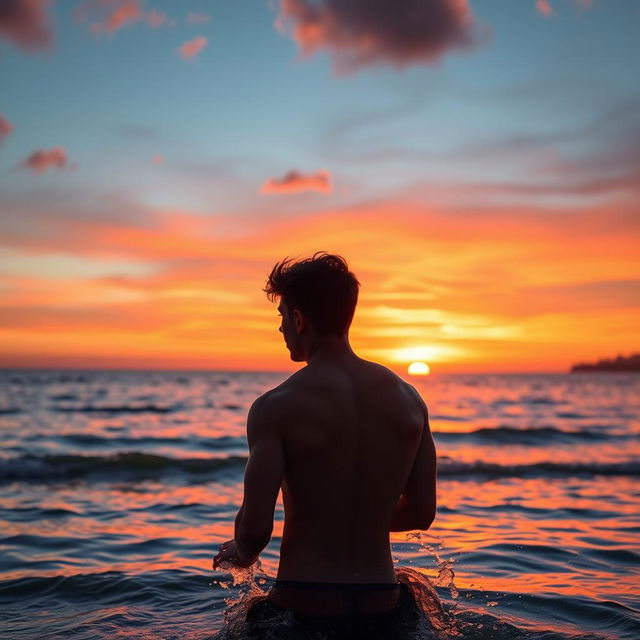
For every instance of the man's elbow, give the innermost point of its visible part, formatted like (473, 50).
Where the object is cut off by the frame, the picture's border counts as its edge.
(425, 523)
(426, 518)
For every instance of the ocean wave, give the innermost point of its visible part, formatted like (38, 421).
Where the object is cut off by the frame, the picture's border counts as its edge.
(131, 443)
(451, 468)
(137, 465)
(158, 587)
(531, 436)
(48, 607)
(118, 408)
(119, 466)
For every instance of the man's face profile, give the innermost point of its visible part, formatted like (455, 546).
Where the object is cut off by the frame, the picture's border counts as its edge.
(287, 329)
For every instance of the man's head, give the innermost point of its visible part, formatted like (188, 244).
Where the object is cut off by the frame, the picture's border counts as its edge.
(318, 297)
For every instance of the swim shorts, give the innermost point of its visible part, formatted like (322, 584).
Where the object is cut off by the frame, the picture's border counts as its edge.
(266, 619)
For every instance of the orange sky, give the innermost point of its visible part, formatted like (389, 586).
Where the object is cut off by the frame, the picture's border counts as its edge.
(510, 290)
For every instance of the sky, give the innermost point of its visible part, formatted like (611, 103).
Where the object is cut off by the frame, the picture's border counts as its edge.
(476, 163)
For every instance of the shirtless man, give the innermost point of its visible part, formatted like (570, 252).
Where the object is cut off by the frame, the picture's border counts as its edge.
(349, 444)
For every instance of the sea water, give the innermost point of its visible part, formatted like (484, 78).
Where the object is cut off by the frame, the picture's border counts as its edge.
(116, 489)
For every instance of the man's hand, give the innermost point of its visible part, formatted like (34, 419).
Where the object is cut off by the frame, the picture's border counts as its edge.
(228, 552)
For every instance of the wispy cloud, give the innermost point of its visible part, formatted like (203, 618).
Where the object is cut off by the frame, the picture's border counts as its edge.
(197, 18)
(190, 50)
(364, 32)
(109, 16)
(295, 182)
(157, 19)
(458, 281)
(5, 127)
(26, 23)
(544, 7)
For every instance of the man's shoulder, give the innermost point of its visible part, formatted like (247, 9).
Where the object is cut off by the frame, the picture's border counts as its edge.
(274, 400)
(389, 377)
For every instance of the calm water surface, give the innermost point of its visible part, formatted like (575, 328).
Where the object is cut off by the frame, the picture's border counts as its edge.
(117, 487)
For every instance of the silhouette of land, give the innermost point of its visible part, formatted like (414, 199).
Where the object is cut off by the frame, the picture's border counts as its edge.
(631, 363)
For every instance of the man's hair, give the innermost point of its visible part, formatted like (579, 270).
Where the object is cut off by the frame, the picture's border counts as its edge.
(322, 287)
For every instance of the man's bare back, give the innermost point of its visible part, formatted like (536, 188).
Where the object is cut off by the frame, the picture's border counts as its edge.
(350, 431)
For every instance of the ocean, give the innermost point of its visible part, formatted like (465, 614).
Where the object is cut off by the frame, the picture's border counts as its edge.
(116, 489)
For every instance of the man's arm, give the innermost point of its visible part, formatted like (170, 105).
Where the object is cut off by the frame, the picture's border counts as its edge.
(262, 479)
(416, 507)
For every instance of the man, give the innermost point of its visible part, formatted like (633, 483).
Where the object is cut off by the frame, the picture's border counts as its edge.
(349, 444)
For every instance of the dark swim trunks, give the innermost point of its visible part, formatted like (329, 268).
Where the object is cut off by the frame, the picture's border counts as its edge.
(379, 611)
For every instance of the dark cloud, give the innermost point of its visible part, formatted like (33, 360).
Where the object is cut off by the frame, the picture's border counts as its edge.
(364, 32)
(41, 160)
(26, 23)
(295, 182)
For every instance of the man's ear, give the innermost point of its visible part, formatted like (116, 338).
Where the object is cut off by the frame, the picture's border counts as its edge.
(298, 320)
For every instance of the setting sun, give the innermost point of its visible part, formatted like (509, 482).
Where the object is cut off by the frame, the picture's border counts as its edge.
(419, 369)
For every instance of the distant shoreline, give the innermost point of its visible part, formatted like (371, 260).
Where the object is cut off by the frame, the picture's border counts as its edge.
(631, 363)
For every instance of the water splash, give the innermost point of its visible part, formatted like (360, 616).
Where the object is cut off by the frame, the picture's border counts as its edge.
(445, 576)
(430, 620)
(249, 581)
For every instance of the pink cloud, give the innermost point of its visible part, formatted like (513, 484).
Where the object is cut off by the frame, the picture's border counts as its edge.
(192, 48)
(109, 16)
(41, 160)
(25, 22)
(363, 32)
(158, 159)
(295, 182)
(5, 127)
(544, 7)
(198, 18)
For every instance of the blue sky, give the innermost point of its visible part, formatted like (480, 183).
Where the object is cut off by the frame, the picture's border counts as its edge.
(249, 106)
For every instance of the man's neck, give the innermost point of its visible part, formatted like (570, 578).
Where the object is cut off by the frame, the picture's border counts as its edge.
(330, 349)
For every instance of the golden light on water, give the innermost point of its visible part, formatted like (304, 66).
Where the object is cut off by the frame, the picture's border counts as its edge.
(419, 369)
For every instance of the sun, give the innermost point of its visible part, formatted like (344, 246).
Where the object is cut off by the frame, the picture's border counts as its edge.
(419, 369)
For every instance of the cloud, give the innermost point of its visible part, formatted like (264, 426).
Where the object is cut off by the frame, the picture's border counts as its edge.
(41, 160)
(158, 159)
(192, 48)
(198, 18)
(295, 182)
(109, 16)
(544, 7)
(364, 32)
(25, 22)
(5, 127)
(156, 19)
